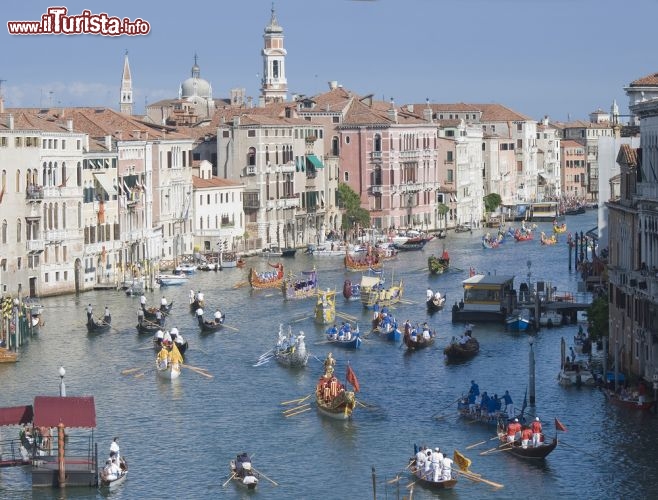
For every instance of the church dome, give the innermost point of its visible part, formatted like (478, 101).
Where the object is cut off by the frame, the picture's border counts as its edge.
(195, 86)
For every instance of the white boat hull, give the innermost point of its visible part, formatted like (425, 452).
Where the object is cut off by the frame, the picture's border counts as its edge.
(171, 372)
(114, 483)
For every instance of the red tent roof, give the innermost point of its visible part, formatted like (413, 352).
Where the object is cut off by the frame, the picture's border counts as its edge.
(16, 415)
(50, 411)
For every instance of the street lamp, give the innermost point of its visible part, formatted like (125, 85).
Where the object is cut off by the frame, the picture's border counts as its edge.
(62, 387)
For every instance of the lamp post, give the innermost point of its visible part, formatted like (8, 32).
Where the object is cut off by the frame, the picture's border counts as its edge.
(531, 371)
(62, 387)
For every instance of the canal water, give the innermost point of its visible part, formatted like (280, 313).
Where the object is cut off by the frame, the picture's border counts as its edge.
(179, 436)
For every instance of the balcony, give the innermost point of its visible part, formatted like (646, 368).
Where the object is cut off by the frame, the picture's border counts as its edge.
(290, 202)
(62, 192)
(376, 155)
(55, 235)
(35, 246)
(286, 169)
(251, 201)
(250, 170)
(409, 155)
(376, 189)
(34, 193)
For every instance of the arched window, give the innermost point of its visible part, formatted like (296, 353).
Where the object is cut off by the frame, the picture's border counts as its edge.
(335, 145)
(79, 174)
(346, 176)
(19, 228)
(64, 178)
(79, 215)
(54, 176)
(377, 143)
(18, 181)
(44, 172)
(4, 231)
(251, 157)
(4, 181)
(28, 177)
(63, 215)
(267, 154)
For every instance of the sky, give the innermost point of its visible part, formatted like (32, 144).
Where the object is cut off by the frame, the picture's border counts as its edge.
(560, 58)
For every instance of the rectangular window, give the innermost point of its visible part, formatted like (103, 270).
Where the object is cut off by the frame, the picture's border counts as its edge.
(225, 134)
(3, 142)
(168, 159)
(450, 175)
(449, 156)
(78, 145)
(519, 127)
(63, 143)
(251, 133)
(519, 144)
(45, 278)
(19, 263)
(519, 166)
(335, 119)
(19, 142)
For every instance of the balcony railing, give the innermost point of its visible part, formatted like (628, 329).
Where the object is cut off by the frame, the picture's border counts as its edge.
(376, 155)
(251, 201)
(35, 245)
(34, 193)
(250, 170)
(376, 189)
(62, 192)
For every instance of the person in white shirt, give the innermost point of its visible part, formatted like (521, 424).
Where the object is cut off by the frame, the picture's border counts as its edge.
(430, 293)
(192, 296)
(199, 312)
(159, 337)
(179, 339)
(446, 469)
(142, 300)
(437, 460)
(167, 338)
(218, 316)
(114, 449)
(420, 459)
(163, 301)
(199, 297)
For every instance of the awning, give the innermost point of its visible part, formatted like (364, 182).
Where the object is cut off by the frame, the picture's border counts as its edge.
(50, 411)
(315, 161)
(16, 415)
(106, 183)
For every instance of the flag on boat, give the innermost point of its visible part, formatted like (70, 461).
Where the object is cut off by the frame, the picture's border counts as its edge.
(463, 462)
(351, 378)
(559, 426)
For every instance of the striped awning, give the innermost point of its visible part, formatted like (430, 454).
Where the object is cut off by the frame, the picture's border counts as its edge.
(315, 161)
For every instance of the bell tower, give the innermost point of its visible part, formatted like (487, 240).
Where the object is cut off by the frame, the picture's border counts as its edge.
(126, 97)
(274, 86)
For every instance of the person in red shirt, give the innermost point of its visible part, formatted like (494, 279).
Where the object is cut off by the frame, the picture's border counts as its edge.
(512, 428)
(536, 432)
(526, 435)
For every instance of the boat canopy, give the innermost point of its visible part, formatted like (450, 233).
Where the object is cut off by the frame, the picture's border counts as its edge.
(369, 281)
(50, 411)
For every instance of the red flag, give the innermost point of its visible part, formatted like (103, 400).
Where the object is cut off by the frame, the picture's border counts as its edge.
(559, 426)
(351, 378)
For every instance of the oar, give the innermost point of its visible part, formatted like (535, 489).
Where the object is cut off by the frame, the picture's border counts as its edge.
(128, 371)
(228, 480)
(481, 442)
(262, 362)
(240, 284)
(300, 319)
(296, 400)
(477, 478)
(200, 371)
(141, 374)
(266, 354)
(297, 412)
(366, 405)
(270, 480)
(296, 408)
(446, 407)
(502, 447)
(231, 328)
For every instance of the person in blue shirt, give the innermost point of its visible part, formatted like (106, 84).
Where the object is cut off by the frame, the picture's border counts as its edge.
(509, 404)
(475, 389)
(484, 404)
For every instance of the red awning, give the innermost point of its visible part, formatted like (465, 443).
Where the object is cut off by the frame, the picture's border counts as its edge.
(16, 415)
(50, 411)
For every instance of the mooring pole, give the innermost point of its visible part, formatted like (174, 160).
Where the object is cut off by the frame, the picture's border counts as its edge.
(374, 484)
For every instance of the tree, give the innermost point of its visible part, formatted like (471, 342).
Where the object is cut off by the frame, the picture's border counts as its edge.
(492, 201)
(350, 201)
(597, 317)
(442, 210)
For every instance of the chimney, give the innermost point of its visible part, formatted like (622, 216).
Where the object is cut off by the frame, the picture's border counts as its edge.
(108, 142)
(69, 125)
(427, 114)
(392, 112)
(10, 122)
(333, 84)
(2, 104)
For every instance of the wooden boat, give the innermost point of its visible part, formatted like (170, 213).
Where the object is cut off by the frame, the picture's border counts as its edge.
(633, 401)
(462, 349)
(331, 396)
(210, 326)
(577, 373)
(428, 482)
(149, 327)
(362, 263)
(374, 292)
(325, 307)
(435, 303)
(490, 242)
(386, 327)
(151, 312)
(550, 319)
(301, 287)
(109, 481)
(547, 240)
(172, 279)
(344, 337)
(240, 262)
(98, 325)
(168, 363)
(385, 251)
(575, 211)
(290, 350)
(477, 416)
(185, 268)
(438, 265)
(351, 291)
(531, 452)
(267, 279)
(420, 342)
(560, 228)
(242, 472)
(228, 260)
(7, 356)
(523, 235)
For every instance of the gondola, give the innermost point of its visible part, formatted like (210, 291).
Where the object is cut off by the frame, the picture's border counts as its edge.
(301, 287)
(370, 261)
(428, 482)
(149, 327)
(269, 279)
(290, 350)
(415, 243)
(168, 363)
(111, 481)
(530, 452)
(346, 341)
(196, 304)
(331, 396)
(420, 342)
(435, 304)
(461, 349)
(438, 265)
(208, 326)
(242, 472)
(98, 325)
(150, 312)
(634, 402)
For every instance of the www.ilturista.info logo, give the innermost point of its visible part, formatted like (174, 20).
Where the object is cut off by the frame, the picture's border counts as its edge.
(56, 21)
